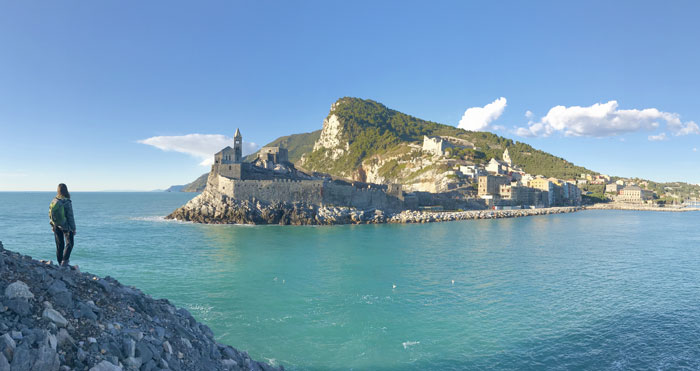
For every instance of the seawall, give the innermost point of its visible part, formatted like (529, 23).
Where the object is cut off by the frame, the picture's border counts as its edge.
(443, 216)
(54, 318)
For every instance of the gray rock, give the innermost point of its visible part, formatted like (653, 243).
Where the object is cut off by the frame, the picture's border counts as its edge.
(4, 364)
(85, 311)
(20, 306)
(105, 366)
(133, 363)
(129, 347)
(105, 285)
(186, 342)
(112, 348)
(133, 330)
(55, 317)
(7, 346)
(60, 294)
(148, 366)
(167, 347)
(22, 360)
(163, 364)
(52, 340)
(81, 355)
(46, 359)
(18, 289)
(143, 351)
(64, 338)
(135, 334)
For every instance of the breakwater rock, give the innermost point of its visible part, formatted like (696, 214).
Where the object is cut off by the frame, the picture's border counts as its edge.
(214, 208)
(54, 318)
(409, 216)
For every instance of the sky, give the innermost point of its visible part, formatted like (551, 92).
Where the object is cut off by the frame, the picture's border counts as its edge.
(127, 95)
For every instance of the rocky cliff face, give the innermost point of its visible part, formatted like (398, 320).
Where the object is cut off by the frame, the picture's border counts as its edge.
(54, 318)
(212, 207)
(332, 138)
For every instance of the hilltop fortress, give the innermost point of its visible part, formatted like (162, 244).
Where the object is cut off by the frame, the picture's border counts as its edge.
(272, 178)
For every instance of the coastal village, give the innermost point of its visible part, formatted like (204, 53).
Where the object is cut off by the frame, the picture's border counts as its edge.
(501, 184)
(497, 184)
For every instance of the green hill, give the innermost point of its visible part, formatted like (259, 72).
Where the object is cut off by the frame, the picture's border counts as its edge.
(362, 135)
(296, 144)
(369, 128)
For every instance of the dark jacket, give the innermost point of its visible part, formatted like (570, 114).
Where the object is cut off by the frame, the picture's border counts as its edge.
(69, 225)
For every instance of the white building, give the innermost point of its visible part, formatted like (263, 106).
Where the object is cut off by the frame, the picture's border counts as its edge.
(434, 145)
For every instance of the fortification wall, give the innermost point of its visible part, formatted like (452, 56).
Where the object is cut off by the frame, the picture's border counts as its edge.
(361, 198)
(280, 190)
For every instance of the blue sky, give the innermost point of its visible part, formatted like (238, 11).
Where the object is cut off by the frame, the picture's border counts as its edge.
(83, 82)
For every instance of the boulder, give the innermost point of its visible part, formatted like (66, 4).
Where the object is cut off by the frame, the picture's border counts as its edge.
(55, 317)
(105, 366)
(18, 289)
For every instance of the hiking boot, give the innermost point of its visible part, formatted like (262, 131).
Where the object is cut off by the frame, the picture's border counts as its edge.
(65, 263)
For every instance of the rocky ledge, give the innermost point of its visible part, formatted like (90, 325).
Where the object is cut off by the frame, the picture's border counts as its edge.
(211, 208)
(54, 318)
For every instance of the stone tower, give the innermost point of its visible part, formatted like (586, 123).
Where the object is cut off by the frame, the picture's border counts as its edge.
(238, 147)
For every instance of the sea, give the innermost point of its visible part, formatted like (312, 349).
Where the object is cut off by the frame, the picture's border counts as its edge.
(592, 290)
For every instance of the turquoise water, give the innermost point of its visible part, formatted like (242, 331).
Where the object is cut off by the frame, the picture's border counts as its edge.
(589, 290)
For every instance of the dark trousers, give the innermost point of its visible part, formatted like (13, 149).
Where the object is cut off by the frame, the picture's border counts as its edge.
(63, 249)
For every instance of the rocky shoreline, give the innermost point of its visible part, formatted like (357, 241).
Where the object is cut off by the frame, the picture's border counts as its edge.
(621, 206)
(54, 318)
(211, 208)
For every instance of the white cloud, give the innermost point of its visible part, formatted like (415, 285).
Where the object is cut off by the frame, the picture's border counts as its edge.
(603, 120)
(695, 149)
(528, 114)
(479, 118)
(201, 146)
(658, 138)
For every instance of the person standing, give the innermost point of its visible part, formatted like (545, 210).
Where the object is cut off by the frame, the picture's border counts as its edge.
(63, 224)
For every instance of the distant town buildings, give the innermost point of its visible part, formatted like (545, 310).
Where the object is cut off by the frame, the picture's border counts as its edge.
(507, 185)
(634, 194)
(613, 188)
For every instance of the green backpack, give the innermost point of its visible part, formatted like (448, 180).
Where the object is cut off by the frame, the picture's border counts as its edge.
(57, 213)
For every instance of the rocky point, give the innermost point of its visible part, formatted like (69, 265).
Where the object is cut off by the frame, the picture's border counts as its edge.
(56, 318)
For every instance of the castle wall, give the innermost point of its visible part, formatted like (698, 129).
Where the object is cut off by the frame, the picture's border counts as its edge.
(361, 198)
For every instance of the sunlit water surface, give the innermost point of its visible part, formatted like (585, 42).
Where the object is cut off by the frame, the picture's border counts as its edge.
(589, 290)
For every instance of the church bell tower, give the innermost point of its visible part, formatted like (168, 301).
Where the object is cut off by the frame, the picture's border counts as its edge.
(238, 147)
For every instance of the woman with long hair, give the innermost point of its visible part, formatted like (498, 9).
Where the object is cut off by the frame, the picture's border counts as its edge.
(63, 224)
